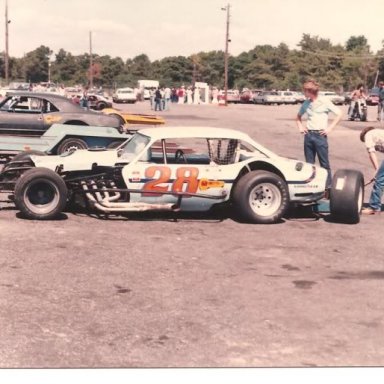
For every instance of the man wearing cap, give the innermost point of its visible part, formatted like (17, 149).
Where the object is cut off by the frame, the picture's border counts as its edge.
(374, 141)
(317, 128)
(380, 106)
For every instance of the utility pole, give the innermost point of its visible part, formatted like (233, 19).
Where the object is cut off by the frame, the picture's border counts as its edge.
(90, 61)
(6, 57)
(226, 54)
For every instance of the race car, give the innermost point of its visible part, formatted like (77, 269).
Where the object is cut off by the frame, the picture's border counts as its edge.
(189, 169)
(31, 114)
(134, 118)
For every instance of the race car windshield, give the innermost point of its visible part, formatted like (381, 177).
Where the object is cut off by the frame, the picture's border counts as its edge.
(134, 147)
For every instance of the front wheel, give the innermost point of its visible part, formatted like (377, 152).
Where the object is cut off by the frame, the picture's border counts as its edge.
(40, 194)
(261, 197)
(347, 196)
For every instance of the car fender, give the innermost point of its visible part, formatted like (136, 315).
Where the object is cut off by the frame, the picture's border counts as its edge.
(303, 179)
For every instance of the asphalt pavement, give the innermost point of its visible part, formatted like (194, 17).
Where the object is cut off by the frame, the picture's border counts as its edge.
(169, 291)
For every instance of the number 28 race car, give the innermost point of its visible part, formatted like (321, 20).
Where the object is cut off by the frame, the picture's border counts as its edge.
(178, 169)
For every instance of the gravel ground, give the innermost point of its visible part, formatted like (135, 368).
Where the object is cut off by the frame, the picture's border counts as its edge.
(160, 291)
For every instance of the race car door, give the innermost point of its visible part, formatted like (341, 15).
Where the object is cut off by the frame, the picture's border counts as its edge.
(21, 115)
(193, 168)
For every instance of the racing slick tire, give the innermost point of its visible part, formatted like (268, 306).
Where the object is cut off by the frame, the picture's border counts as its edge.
(347, 196)
(40, 194)
(71, 143)
(261, 197)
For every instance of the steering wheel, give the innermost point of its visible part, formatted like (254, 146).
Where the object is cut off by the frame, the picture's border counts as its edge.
(180, 156)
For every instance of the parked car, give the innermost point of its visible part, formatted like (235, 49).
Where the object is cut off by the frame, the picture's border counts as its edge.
(247, 96)
(233, 96)
(333, 96)
(268, 98)
(14, 86)
(373, 97)
(193, 169)
(347, 97)
(287, 97)
(95, 101)
(124, 95)
(27, 113)
(299, 96)
(98, 102)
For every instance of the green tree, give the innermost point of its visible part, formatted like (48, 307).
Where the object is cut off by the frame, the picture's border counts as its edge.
(36, 64)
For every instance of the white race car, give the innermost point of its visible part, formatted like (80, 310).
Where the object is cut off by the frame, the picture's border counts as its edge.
(178, 169)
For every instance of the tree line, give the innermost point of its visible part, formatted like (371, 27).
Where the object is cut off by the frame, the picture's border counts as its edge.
(337, 67)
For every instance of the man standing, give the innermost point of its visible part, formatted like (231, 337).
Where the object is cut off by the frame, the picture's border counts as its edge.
(317, 129)
(158, 98)
(380, 106)
(374, 141)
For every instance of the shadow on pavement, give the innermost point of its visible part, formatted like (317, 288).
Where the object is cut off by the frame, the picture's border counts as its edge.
(60, 217)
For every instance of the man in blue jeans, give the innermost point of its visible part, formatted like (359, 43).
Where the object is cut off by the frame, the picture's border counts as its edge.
(317, 129)
(374, 141)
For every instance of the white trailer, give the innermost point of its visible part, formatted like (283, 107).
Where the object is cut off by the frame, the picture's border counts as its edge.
(145, 86)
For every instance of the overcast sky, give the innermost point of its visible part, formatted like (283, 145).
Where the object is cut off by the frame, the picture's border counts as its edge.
(162, 28)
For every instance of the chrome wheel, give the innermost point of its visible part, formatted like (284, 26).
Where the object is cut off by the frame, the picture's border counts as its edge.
(41, 196)
(265, 199)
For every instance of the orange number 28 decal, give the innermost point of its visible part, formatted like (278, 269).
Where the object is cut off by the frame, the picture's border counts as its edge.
(162, 175)
(186, 175)
(153, 185)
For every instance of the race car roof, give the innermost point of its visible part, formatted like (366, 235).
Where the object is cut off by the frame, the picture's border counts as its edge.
(193, 132)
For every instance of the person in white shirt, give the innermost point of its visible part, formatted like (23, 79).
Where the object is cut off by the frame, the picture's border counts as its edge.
(167, 98)
(374, 142)
(189, 96)
(317, 129)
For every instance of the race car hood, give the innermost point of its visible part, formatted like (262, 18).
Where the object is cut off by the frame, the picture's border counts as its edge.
(78, 160)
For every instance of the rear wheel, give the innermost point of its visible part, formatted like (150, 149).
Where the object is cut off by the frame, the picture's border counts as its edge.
(101, 106)
(71, 144)
(261, 197)
(347, 196)
(40, 194)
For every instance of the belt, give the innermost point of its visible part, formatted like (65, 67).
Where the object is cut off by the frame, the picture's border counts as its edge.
(315, 130)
